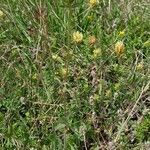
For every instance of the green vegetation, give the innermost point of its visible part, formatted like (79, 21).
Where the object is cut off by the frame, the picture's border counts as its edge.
(74, 75)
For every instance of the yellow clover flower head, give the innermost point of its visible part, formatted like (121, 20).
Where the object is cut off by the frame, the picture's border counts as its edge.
(93, 3)
(97, 52)
(77, 37)
(119, 48)
(1, 14)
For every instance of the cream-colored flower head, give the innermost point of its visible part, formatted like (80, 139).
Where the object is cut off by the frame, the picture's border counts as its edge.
(93, 3)
(1, 14)
(77, 37)
(119, 48)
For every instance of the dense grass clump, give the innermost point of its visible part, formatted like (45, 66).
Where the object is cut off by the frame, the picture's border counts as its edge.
(74, 75)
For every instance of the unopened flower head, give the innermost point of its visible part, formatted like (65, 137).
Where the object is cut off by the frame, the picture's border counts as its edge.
(117, 86)
(119, 48)
(108, 93)
(56, 57)
(93, 3)
(63, 72)
(122, 33)
(77, 37)
(140, 66)
(90, 18)
(34, 77)
(1, 14)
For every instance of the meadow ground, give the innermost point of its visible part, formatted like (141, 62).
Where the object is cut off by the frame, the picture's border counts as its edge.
(74, 75)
